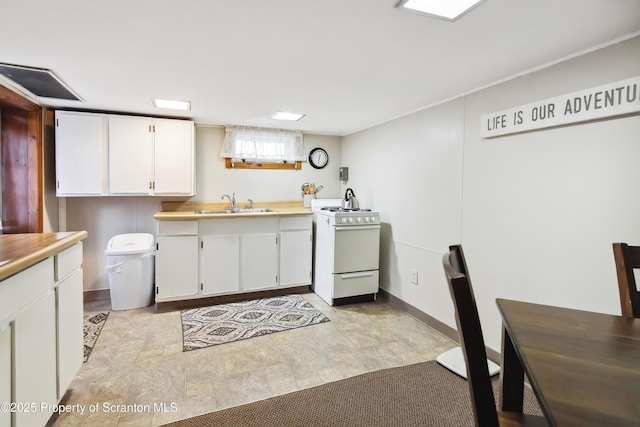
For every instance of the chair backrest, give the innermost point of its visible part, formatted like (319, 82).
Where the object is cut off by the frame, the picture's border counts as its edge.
(627, 259)
(471, 340)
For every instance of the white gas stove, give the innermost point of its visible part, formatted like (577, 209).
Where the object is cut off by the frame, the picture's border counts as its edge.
(347, 252)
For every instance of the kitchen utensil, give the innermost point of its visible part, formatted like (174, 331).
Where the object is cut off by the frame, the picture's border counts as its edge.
(318, 188)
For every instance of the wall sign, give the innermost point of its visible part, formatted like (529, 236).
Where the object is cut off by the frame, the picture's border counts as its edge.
(613, 99)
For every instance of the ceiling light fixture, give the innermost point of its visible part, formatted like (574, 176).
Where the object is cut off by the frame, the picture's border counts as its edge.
(283, 115)
(449, 10)
(172, 104)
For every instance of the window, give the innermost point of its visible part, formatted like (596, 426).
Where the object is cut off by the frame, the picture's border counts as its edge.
(260, 148)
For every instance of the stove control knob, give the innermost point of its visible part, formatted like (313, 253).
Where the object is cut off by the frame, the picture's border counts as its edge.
(366, 219)
(350, 220)
(344, 220)
(358, 219)
(373, 219)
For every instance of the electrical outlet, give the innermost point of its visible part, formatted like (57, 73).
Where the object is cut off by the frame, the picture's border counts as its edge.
(414, 275)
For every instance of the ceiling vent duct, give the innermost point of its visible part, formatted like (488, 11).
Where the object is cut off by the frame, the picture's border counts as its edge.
(39, 81)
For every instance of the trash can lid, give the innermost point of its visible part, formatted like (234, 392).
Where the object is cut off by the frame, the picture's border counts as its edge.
(132, 243)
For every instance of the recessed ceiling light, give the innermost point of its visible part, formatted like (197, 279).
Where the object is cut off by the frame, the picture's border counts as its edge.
(283, 115)
(449, 10)
(172, 104)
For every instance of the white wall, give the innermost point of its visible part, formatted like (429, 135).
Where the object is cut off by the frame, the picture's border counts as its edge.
(541, 209)
(536, 212)
(214, 180)
(409, 171)
(104, 217)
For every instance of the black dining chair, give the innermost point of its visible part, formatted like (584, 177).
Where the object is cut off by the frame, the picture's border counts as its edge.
(627, 259)
(472, 343)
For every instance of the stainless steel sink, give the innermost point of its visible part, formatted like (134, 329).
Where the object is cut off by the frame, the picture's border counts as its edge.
(213, 211)
(250, 210)
(231, 211)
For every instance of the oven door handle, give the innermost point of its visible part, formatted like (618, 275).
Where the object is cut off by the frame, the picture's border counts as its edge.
(356, 275)
(357, 227)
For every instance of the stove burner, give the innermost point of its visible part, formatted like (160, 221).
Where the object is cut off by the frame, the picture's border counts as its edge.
(332, 209)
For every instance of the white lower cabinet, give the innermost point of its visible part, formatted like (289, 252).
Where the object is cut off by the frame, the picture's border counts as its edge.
(176, 267)
(5, 373)
(41, 337)
(258, 261)
(69, 309)
(236, 255)
(295, 264)
(296, 243)
(35, 362)
(220, 272)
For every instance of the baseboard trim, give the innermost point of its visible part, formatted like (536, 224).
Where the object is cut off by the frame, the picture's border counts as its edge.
(225, 299)
(443, 328)
(96, 295)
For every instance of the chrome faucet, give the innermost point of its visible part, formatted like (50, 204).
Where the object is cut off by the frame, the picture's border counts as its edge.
(250, 203)
(232, 200)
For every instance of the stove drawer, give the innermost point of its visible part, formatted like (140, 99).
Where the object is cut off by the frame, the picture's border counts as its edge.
(353, 284)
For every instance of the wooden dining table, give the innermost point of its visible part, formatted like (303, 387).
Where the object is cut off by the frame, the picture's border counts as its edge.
(583, 367)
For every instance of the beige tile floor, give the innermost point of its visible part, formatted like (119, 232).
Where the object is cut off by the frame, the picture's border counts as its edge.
(137, 367)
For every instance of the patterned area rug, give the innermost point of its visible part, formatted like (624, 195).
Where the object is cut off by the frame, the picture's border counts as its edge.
(220, 324)
(93, 324)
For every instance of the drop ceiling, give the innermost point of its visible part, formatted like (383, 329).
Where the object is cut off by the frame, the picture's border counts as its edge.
(346, 64)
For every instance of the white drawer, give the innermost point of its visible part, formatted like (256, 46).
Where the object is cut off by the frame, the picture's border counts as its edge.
(354, 284)
(21, 289)
(295, 222)
(68, 261)
(177, 228)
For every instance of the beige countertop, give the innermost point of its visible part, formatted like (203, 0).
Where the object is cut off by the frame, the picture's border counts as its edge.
(20, 251)
(187, 210)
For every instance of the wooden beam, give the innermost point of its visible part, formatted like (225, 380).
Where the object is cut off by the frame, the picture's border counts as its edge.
(11, 99)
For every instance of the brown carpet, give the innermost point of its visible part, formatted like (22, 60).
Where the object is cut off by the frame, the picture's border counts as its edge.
(424, 394)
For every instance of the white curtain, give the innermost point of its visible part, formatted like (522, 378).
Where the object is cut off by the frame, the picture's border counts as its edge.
(262, 145)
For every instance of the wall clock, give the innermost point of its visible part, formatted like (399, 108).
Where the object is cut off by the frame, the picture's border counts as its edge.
(318, 158)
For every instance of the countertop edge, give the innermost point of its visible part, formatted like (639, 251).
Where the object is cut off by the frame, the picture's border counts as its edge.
(23, 262)
(173, 216)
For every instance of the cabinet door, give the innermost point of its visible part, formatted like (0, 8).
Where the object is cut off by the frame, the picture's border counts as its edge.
(173, 157)
(220, 264)
(5, 373)
(295, 257)
(176, 267)
(80, 154)
(258, 261)
(130, 155)
(70, 329)
(35, 360)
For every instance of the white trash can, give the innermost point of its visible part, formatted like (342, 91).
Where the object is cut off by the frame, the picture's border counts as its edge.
(130, 266)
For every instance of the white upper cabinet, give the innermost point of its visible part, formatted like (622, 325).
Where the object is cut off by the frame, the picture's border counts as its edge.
(81, 143)
(174, 154)
(130, 155)
(124, 155)
(150, 156)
